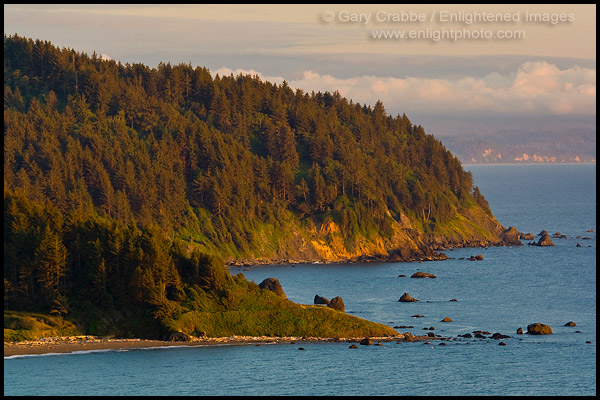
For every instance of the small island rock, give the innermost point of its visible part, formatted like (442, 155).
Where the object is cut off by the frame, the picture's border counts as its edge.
(423, 275)
(539, 329)
(366, 342)
(499, 335)
(405, 298)
(570, 323)
(544, 240)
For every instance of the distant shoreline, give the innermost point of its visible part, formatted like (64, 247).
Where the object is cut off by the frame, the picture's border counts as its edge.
(88, 343)
(530, 163)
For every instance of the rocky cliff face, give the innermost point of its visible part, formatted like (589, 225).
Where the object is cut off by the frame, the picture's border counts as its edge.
(327, 243)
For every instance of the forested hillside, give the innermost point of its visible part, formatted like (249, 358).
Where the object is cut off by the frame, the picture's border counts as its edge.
(114, 174)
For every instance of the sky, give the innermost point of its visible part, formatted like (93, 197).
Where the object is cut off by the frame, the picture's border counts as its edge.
(422, 60)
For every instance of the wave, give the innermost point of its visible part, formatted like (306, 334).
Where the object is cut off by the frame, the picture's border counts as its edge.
(78, 352)
(61, 354)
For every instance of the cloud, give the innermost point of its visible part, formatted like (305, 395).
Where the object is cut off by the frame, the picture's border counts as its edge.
(535, 87)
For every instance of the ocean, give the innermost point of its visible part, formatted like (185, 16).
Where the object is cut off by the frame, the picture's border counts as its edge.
(511, 287)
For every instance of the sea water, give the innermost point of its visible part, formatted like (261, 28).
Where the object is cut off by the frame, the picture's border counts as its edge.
(511, 288)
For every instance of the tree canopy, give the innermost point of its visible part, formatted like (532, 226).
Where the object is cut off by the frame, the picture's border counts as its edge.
(106, 164)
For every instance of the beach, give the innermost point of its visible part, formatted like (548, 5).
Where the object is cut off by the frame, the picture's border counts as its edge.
(71, 344)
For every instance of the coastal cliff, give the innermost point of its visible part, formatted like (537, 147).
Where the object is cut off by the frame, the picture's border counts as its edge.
(327, 243)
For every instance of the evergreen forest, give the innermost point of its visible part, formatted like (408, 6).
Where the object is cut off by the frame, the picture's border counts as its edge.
(127, 187)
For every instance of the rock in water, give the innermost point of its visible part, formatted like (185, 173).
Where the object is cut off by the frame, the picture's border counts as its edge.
(406, 298)
(446, 319)
(539, 329)
(544, 240)
(423, 275)
(511, 237)
(273, 285)
(499, 335)
(409, 337)
(570, 323)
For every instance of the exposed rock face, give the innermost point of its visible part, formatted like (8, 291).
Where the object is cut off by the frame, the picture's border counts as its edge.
(274, 286)
(325, 242)
(527, 236)
(366, 342)
(478, 257)
(338, 304)
(446, 319)
(570, 323)
(539, 329)
(423, 275)
(405, 298)
(519, 331)
(511, 237)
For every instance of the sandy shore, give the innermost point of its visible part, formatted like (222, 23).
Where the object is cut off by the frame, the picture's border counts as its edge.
(86, 343)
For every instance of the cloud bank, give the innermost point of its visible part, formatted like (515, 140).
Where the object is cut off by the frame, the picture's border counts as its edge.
(534, 88)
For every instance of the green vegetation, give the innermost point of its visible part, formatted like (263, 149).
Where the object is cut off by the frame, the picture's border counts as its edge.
(127, 281)
(126, 186)
(20, 326)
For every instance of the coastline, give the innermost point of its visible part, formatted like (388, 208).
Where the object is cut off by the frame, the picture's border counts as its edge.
(90, 343)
